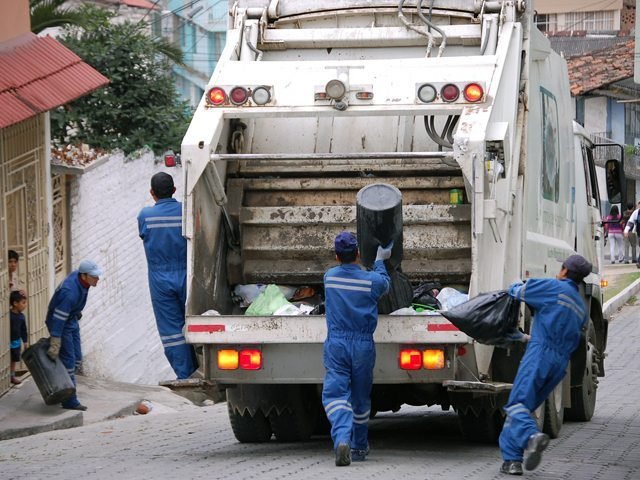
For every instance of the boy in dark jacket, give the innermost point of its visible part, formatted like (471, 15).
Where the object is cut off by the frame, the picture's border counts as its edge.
(18, 330)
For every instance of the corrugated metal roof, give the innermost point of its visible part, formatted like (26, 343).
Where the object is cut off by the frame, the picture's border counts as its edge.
(38, 74)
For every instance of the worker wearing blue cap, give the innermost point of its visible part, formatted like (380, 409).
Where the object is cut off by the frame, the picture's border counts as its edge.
(65, 309)
(351, 304)
(560, 314)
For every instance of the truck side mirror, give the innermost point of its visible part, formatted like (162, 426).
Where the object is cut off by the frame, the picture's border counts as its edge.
(615, 181)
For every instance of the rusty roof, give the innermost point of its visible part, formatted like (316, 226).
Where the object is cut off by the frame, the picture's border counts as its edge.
(38, 74)
(601, 68)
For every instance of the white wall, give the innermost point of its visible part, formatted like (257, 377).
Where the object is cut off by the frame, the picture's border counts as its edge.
(119, 336)
(595, 114)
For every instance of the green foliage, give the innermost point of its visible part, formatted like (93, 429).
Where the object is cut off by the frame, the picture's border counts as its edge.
(50, 13)
(140, 107)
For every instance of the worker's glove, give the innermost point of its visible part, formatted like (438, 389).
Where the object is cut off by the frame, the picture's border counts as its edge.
(54, 348)
(384, 253)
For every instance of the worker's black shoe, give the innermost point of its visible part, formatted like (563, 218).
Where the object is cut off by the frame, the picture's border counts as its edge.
(359, 455)
(537, 443)
(343, 455)
(511, 467)
(76, 407)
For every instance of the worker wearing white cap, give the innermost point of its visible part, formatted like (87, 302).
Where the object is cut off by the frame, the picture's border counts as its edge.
(65, 309)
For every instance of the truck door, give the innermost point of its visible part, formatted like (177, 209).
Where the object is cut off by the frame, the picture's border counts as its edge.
(589, 244)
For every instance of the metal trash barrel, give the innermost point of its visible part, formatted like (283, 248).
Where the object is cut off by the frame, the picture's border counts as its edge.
(379, 221)
(51, 377)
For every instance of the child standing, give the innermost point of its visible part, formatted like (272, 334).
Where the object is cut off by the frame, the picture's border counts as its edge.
(19, 335)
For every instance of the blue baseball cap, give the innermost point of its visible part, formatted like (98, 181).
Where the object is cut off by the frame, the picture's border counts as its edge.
(346, 242)
(578, 265)
(90, 268)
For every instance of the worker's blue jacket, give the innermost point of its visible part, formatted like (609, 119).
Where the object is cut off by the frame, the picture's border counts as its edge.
(351, 304)
(559, 315)
(160, 228)
(66, 304)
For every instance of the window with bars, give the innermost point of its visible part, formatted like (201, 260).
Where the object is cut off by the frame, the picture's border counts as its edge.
(591, 21)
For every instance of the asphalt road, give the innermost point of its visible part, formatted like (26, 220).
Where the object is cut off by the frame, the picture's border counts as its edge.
(414, 443)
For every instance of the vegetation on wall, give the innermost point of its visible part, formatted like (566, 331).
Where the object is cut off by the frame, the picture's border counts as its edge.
(140, 107)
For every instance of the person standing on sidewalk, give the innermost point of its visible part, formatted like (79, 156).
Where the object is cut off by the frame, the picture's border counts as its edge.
(560, 315)
(631, 226)
(19, 336)
(351, 303)
(63, 314)
(613, 229)
(630, 239)
(160, 228)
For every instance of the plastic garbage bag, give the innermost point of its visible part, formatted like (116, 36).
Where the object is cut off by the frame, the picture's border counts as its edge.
(246, 294)
(450, 297)
(490, 318)
(404, 311)
(289, 309)
(426, 294)
(267, 302)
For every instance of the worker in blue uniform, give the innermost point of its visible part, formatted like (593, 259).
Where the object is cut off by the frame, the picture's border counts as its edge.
(160, 228)
(65, 309)
(351, 304)
(560, 315)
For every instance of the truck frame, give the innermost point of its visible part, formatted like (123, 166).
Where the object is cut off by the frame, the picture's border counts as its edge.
(310, 102)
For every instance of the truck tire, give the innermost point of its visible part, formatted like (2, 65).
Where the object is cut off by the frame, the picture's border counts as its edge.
(298, 421)
(247, 428)
(583, 396)
(482, 428)
(554, 412)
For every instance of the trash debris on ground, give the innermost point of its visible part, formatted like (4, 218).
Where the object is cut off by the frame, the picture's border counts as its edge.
(143, 408)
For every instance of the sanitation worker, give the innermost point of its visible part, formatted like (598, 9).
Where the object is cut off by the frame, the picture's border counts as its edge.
(560, 314)
(351, 303)
(65, 309)
(160, 228)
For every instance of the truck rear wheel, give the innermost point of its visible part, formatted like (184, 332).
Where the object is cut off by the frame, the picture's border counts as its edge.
(583, 396)
(482, 428)
(554, 412)
(248, 428)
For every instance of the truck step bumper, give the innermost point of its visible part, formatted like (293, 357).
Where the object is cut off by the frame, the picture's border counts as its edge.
(483, 387)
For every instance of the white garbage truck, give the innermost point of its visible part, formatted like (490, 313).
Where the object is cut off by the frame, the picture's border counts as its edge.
(464, 107)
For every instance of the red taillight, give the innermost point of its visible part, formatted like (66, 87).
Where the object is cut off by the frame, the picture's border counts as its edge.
(473, 92)
(238, 95)
(217, 96)
(250, 359)
(410, 359)
(450, 92)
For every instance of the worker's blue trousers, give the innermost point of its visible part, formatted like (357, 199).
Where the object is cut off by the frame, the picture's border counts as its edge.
(71, 355)
(542, 368)
(168, 297)
(346, 395)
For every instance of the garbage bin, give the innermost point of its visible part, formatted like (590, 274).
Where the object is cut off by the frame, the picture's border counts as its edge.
(51, 377)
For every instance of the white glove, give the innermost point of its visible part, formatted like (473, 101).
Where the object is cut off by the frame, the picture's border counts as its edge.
(384, 253)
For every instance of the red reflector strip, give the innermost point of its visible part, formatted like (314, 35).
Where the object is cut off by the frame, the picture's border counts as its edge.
(442, 327)
(205, 328)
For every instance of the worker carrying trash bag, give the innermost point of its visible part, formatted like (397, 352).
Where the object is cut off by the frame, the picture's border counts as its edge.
(560, 315)
(351, 302)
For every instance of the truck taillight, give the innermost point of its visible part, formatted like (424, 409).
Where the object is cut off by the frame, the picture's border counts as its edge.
(250, 359)
(261, 95)
(473, 92)
(427, 93)
(450, 92)
(238, 95)
(228, 359)
(433, 359)
(410, 359)
(217, 96)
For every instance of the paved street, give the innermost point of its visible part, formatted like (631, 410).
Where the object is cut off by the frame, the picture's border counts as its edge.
(423, 444)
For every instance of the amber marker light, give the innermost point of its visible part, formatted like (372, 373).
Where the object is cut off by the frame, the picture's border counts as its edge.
(228, 359)
(433, 359)
(473, 92)
(250, 359)
(410, 359)
(604, 283)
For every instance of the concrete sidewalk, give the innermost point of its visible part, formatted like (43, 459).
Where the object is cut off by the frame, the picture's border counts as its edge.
(23, 411)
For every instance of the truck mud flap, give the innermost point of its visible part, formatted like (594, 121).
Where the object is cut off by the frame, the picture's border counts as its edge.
(195, 389)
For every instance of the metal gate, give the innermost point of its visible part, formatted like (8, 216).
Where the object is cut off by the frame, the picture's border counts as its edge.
(23, 227)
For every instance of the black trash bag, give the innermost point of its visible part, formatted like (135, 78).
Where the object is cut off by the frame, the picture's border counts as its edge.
(490, 318)
(425, 294)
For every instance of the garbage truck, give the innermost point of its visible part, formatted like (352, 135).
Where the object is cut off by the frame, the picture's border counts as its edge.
(462, 106)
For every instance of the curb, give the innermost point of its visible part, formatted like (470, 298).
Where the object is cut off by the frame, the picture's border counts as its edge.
(610, 307)
(69, 422)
